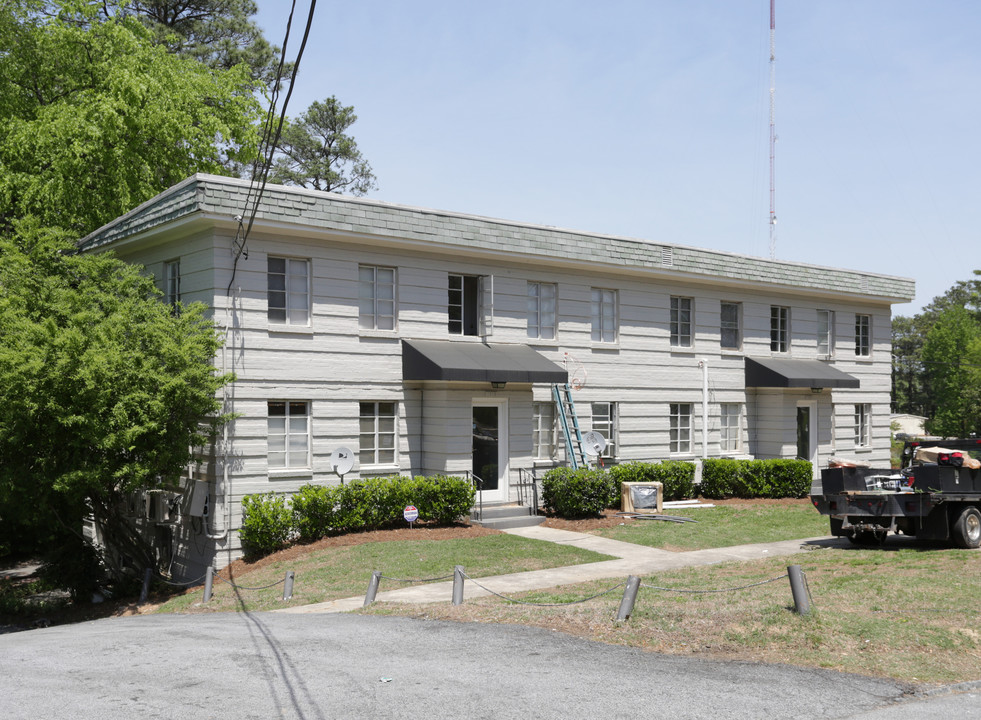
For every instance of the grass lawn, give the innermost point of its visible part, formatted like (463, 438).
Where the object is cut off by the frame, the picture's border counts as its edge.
(340, 572)
(725, 525)
(909, 613)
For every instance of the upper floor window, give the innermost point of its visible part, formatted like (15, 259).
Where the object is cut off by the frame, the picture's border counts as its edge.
(172, 282)
(679, 438)
(288, 291)
(543, 431)
(376, 298)
(863, 425)
(730, 332)
(378, 423)
(826, 333)
(604, 315)
(465, 305)
(680, 322)
(288, 434)
(779, 329)
(604, 421)
(863, 335)
(730, 426)
(541, 310)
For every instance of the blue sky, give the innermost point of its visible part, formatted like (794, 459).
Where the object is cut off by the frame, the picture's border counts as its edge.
(650, 119)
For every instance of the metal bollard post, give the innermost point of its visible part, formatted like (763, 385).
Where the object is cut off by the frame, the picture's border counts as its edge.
(288, 585)
(629, 597)
(209, 579)
(802, 605)
(145, 592)
(458, 584)
(369, 597)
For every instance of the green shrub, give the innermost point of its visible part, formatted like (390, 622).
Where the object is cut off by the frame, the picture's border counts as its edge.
(777, 478)
(719, 478)
(315, 511)
(441, 499)
(792, 478)
(677, 477)
(267, 524)
(578, 493)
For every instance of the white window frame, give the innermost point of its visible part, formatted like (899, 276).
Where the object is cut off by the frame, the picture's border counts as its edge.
(172, 282)
(825, 333)
(296, 308)
(680, 429)
(863, 425)
(544, 427)
(682, 315)
(863, 335)
(779, 329)
(604, 419)
(542, 310)
(604, 315)
(734, 326)
(730, 427)
(378, 433)
(377, 298)
(293, 433)
(476, 315)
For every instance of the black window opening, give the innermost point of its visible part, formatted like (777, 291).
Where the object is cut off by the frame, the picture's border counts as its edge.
(463, 305)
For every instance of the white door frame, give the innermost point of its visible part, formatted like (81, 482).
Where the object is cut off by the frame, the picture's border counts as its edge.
(812, 432)
(501, 493)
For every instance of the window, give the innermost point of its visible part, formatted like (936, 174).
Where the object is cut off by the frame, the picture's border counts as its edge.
(729, 331)
(863, 335)
(541, 310)
(680, 322)
(826, 333)
(680, 432)
(288, 434)
(730, 427)
(543, 431)
(172, 282)
(604, 421)
(779, 329)
(464, 306)
(378, 423)
(376, 298)
(863, 425)
(604, 315)
(288, 291)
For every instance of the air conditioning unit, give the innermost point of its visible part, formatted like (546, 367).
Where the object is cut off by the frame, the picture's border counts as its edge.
(163, 506)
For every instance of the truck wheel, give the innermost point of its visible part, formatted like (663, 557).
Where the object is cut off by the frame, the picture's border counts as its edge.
(836, 524)
(967, 529)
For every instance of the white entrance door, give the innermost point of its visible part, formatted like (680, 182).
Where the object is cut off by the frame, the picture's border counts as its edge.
(807, 444)
(490, 449)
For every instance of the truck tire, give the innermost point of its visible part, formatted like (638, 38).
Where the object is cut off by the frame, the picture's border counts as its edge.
(967, 529)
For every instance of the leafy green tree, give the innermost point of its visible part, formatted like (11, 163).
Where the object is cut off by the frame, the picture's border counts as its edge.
(98, 118)
(104, 391)
(952, 360)
(315, 151)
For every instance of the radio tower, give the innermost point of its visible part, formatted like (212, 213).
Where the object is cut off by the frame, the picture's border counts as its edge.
(773, 132)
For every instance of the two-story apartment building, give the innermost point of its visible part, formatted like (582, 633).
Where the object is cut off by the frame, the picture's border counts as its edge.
(428, 342)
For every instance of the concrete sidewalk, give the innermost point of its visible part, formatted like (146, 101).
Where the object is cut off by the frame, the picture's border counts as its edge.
(631, 560)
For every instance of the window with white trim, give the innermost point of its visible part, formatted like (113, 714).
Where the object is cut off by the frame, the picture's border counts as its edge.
(378, 433)
(779, 329)
(825, 333)
(681, 315)
(730, 332)
(679, 434)
(863, 335)
(465, 305)
(288, 434)
(288, 282)
(603, 311)
(604, 421)
(863, 425)
(172, 282)
(376, 298)
(543, 431)
(730, 427)
(541, 310)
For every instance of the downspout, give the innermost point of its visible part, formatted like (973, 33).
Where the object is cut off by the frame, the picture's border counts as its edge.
(703, 364)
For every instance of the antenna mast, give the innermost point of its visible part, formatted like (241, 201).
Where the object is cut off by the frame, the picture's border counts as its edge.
(773, 131)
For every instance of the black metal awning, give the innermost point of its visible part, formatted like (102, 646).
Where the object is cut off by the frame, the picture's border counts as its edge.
(786, 373)
(477, 362)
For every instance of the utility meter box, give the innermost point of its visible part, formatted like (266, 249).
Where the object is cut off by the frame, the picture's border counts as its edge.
(642, 497)
(200, 499)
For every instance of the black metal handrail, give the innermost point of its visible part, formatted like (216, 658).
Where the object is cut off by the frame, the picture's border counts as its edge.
(528, 485)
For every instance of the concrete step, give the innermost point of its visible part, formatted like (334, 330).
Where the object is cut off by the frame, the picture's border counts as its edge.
(508, 516)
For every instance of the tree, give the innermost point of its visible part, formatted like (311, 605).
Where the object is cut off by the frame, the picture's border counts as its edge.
(315, 151)
(97, 119)
(952, 360)
(104, 391)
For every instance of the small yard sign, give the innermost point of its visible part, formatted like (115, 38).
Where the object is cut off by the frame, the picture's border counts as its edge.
(411, 514)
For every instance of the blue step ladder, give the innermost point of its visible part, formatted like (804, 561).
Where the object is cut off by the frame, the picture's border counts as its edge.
(570, 425)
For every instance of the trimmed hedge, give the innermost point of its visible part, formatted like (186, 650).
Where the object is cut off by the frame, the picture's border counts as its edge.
(317, 511)
(578, 493)
(755, 478)
(677, 477)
